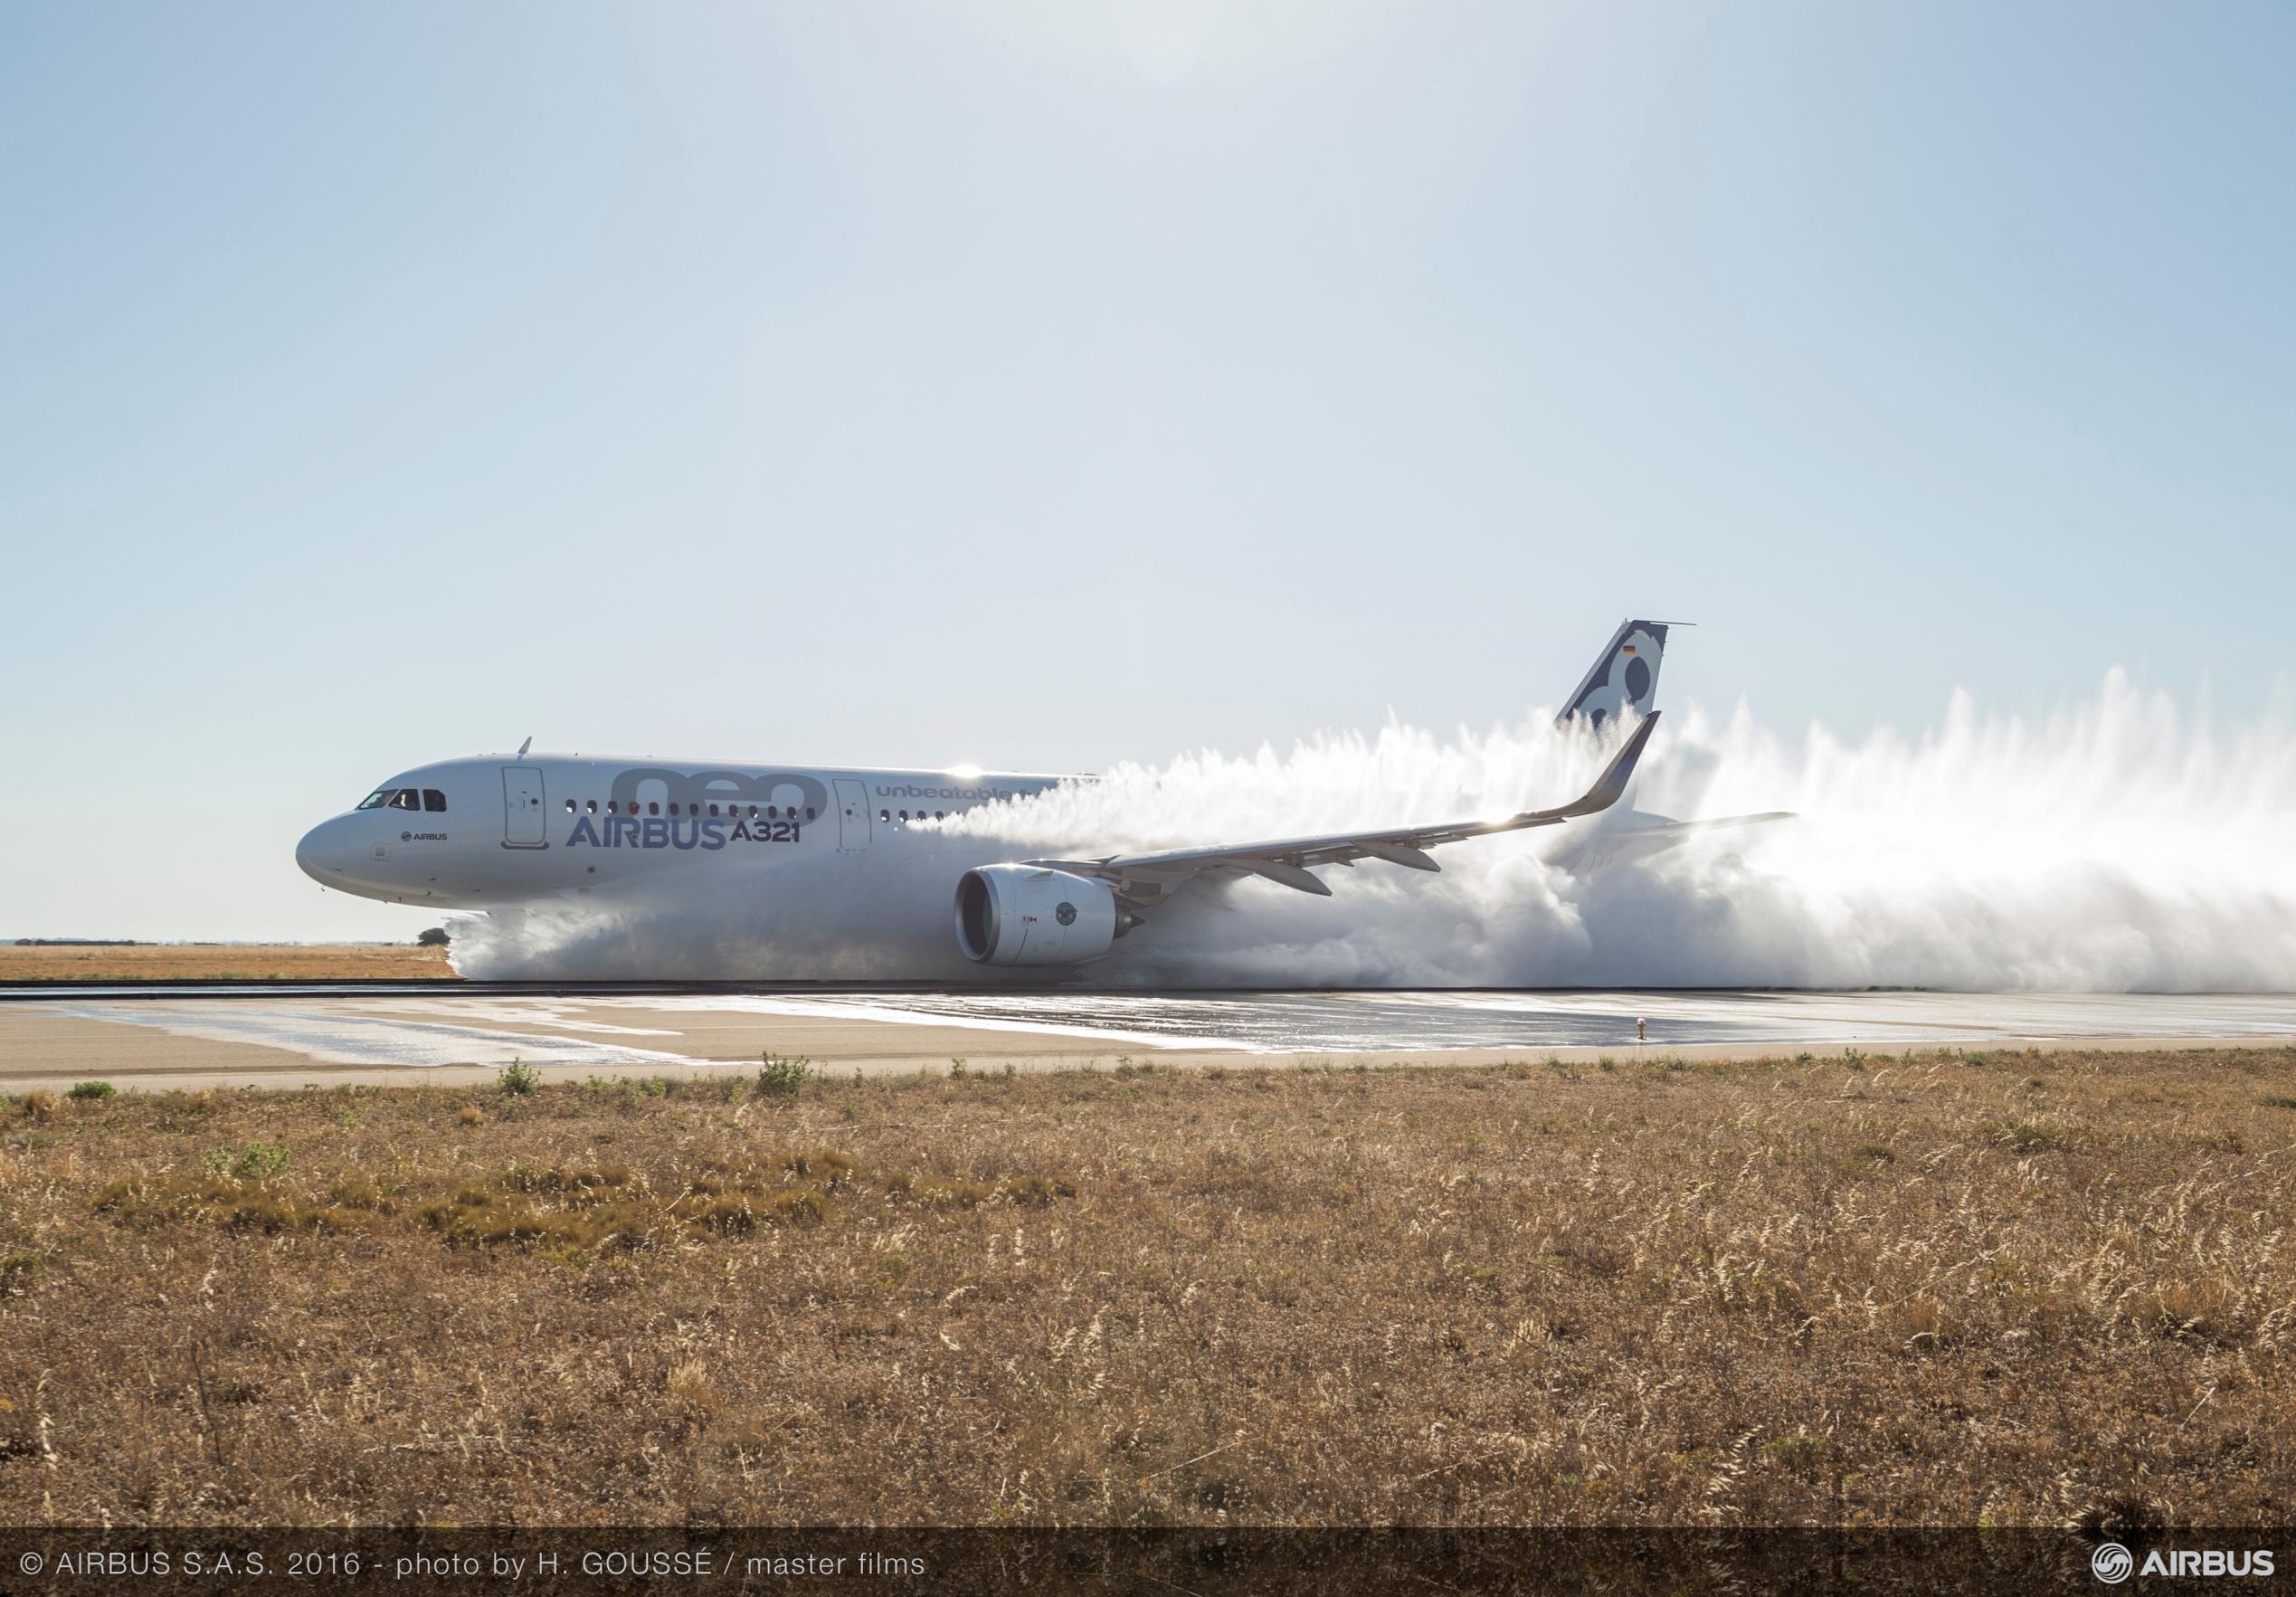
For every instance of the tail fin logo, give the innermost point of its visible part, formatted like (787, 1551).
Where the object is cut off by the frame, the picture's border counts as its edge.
(1624, 678)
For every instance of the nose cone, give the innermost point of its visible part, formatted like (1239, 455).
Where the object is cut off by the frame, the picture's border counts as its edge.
(320, 853)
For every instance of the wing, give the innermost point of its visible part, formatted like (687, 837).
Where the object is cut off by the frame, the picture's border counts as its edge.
(1144, 879)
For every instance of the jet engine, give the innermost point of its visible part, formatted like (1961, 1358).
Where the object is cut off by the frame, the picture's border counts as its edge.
(1030, 915)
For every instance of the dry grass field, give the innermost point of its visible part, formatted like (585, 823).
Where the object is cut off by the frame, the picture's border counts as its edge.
(223, 962)
(2002, 1289)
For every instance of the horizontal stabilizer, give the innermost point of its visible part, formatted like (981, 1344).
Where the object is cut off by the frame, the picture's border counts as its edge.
(1677, 829)
(1602, 847)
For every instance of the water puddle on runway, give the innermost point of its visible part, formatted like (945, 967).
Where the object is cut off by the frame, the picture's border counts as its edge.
(333, 1035)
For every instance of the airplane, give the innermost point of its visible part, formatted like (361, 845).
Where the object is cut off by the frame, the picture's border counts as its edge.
(886, 890)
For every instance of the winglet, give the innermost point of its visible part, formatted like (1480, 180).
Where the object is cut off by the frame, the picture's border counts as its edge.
(1612, 785)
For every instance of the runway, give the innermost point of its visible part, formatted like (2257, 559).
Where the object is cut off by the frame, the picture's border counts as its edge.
(176, 1038)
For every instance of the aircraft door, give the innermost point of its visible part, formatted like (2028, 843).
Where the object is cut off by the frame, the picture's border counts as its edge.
(523, 817)
(852, 814)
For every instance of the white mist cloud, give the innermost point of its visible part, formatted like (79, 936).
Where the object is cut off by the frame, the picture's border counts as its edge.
(2117, 846)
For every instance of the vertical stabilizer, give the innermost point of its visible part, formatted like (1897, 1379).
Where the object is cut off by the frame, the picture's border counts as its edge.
(1623, 676)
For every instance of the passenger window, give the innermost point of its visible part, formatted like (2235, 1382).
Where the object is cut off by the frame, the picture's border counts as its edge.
(883, 815)
(433, 800)
(940, 814)
(609, 808)
(594, 806)
(808, 812)
(653, 806)
(570, 806)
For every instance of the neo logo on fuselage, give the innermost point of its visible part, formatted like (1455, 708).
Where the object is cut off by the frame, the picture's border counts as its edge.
(686, 788)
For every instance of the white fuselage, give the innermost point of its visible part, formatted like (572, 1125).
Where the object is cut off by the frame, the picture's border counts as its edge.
(843, 870)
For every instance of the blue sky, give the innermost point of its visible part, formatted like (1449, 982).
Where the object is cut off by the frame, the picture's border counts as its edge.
(1046, 385)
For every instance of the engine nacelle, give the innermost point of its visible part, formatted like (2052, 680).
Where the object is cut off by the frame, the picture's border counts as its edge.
(1028, 915)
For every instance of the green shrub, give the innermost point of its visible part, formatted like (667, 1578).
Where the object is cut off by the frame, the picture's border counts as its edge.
(519, 1079)
(90, 1089)
(780, 1076)
(1798, 1453)
(258, 1161)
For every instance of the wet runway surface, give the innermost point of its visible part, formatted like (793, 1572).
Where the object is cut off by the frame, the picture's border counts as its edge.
(1290, 1023)
(1449, 1021)
(176, 1034)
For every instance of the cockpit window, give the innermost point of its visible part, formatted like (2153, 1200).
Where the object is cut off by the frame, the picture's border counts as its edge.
(404, 798)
